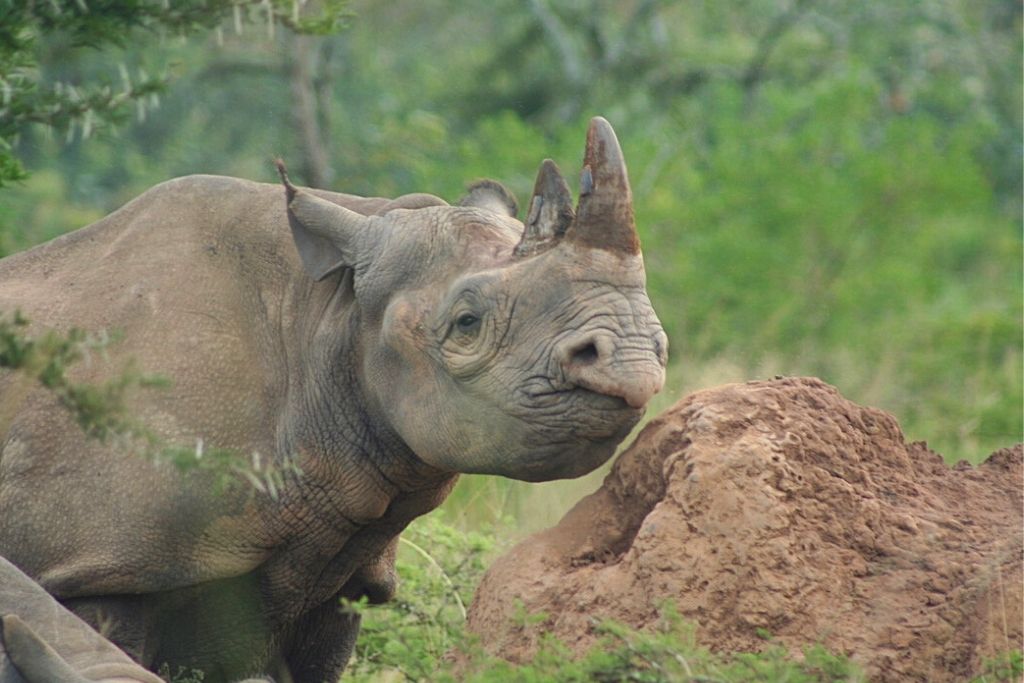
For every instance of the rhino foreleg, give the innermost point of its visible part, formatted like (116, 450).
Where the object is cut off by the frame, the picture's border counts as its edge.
(322, 643)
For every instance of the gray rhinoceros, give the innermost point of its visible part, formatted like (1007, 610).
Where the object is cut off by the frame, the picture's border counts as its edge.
(383, 346)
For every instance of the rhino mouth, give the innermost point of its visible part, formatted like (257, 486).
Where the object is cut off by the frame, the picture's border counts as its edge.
(567, 458)
(562, 432)
(584, 413)
(588, 396)
(543, 392)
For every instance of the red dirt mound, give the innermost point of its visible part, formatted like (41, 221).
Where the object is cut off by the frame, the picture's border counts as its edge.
(782, 506)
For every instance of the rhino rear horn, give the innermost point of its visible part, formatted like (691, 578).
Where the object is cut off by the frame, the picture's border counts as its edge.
(550, 213)
(604, 216)
(325, 233)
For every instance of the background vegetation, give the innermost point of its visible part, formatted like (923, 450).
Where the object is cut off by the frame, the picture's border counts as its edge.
(822, 187)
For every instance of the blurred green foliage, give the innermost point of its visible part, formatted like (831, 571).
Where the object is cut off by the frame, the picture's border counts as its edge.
(100, 410)
(29, 29)
(440, 568)
(822, 187)
(32, 100)
(103, 410)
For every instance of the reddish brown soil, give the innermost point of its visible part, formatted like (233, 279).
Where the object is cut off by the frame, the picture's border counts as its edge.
(782, 506)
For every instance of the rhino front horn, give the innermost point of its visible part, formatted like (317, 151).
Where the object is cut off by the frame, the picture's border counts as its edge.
(604, 216)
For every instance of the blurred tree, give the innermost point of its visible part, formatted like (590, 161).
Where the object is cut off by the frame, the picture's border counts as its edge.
(310, 59)
(68, 106)
(953, 59)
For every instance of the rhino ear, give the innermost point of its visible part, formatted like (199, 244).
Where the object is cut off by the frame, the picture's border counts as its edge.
(492, 196)
(325, 233)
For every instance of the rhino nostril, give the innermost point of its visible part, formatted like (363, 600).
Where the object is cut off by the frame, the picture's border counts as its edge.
(584, 355)
(661, 347)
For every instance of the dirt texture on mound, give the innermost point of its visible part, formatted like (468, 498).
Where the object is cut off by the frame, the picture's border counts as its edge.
(780, 506)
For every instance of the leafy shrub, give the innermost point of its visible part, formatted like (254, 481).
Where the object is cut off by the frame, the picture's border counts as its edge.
(100, 410)
(1005, 669)
(438, 567)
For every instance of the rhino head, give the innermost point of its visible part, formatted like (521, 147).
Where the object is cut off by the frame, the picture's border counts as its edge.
(490, 346)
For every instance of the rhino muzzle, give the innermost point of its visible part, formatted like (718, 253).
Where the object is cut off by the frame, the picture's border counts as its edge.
(630, 367)
(605, 364)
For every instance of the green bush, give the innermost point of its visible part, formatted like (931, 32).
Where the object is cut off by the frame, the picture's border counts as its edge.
(819, 235)
(666, 654)
(1005, 669)
(438, 567)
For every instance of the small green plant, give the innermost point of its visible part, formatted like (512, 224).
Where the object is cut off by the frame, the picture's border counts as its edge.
(98, 408)
(438, 567)
(1003, 669)
(667, 653)
(183, 675)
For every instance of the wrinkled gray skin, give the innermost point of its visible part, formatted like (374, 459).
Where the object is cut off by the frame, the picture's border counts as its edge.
(49, 643)
(383, 345)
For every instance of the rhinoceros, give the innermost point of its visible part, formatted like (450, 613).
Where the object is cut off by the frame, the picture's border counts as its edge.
(371, 348)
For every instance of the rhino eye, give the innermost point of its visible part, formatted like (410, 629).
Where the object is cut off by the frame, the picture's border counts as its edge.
(467, 323)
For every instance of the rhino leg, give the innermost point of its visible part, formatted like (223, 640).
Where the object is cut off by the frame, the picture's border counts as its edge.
(323, 641)
(45, 643)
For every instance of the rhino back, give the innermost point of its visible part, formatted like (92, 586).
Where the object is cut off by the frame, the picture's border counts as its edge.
(186, 269)
(195, 277)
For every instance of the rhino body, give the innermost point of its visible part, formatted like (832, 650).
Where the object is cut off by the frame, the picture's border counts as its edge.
(368, 349)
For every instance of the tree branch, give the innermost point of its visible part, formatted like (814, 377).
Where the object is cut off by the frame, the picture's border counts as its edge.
(572, 63)
(316, 164)
(755, 71)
